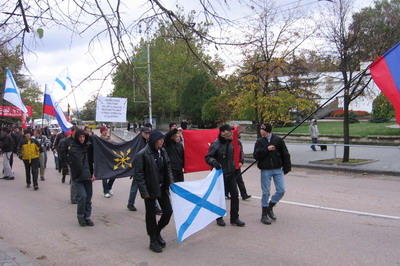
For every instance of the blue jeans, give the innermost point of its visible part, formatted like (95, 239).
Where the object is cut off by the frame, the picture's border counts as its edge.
(266, 176)
(133, 192)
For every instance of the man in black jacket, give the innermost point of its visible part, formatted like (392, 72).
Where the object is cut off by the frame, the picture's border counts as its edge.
(81, 176)
(153, 176)
(220, 155)
(274, 162)
(144, 135)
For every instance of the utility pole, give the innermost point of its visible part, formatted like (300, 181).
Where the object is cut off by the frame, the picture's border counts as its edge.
(149, 82)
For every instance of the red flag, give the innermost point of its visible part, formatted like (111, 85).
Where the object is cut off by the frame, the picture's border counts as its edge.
(197, 143)
(386, 74)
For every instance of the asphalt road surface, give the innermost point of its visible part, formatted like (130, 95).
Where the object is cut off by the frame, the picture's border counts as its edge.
(326, 218)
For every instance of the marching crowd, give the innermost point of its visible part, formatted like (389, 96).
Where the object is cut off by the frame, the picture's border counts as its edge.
(159, 163)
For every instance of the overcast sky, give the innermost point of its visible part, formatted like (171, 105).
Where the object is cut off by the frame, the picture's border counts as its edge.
(57, 50)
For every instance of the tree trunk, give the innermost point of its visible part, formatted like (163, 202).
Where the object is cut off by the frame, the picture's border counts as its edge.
(257, 115)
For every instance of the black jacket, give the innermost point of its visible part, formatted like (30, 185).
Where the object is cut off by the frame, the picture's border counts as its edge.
(221, 152)
(78, 159)
(280, 158)
(7, 143)
(175, 151)
(147, 175)
(17, 138)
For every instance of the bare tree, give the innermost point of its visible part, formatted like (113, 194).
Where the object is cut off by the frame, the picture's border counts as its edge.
(343, 41)
(274, 36)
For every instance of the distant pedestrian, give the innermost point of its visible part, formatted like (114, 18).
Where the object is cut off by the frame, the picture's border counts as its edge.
(313, 129)
(274, 162)
(44, 143)
(28, 151)
(7, 148)
(54, 150)
(184, 124)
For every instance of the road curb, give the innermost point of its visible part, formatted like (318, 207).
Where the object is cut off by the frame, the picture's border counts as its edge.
(338, 168)
(12, 256)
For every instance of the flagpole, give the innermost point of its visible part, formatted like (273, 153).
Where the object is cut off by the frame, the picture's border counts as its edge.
(45, 89)
(316, 110)
(2, 96)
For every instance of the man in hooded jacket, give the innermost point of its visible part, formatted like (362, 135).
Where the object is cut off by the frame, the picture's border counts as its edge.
(153, 176)
(82, 177)
(175, 151)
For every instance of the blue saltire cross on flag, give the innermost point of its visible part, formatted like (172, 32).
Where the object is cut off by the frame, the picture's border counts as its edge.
(197, 203)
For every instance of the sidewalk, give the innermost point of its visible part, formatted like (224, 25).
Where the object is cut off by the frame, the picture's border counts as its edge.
(12, 257)
(384, 158)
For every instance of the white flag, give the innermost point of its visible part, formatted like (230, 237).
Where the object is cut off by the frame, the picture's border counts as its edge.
(63, 80)
(195, 204)
(11, 92)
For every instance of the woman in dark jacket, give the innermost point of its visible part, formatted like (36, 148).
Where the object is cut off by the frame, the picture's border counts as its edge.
(153, 176)
(174, 148)
(82, 177)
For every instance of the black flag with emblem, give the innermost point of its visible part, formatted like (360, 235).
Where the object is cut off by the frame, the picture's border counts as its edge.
(114, 159)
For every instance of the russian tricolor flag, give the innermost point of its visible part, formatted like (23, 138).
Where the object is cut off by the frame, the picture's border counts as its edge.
(386, 74)
(51, 107)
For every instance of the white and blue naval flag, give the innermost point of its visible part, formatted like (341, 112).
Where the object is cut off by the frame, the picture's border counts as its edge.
(11, 92)
(63, 80)
(195, 204)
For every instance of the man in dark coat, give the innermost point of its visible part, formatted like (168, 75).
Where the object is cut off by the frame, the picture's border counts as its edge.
(82, 177)
(144, 135)
(153, 176)
(220, 155)
(17, 136)
(274, 162)
(174, 148)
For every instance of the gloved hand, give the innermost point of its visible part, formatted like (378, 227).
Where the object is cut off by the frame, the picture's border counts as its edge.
(217, 166)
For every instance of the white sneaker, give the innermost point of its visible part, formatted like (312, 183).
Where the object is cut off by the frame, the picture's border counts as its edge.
(107, 195)
(110, 192)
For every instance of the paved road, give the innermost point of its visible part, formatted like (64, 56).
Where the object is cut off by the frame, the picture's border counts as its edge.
(326, 218)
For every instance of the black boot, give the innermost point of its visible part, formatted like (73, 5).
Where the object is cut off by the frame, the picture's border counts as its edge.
(270, 211)
(264, 216)
(154, 245)
(161, 241)
(63, 179)
(81, 221)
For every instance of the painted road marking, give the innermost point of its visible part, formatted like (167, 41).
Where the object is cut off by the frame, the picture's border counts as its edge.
(338, 210)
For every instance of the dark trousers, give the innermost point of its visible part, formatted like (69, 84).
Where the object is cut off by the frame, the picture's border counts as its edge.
(107, 184)
(231, 185)
(153, 228)
(178, 175)
(84, 192)
(240, 183)
(32, 167)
